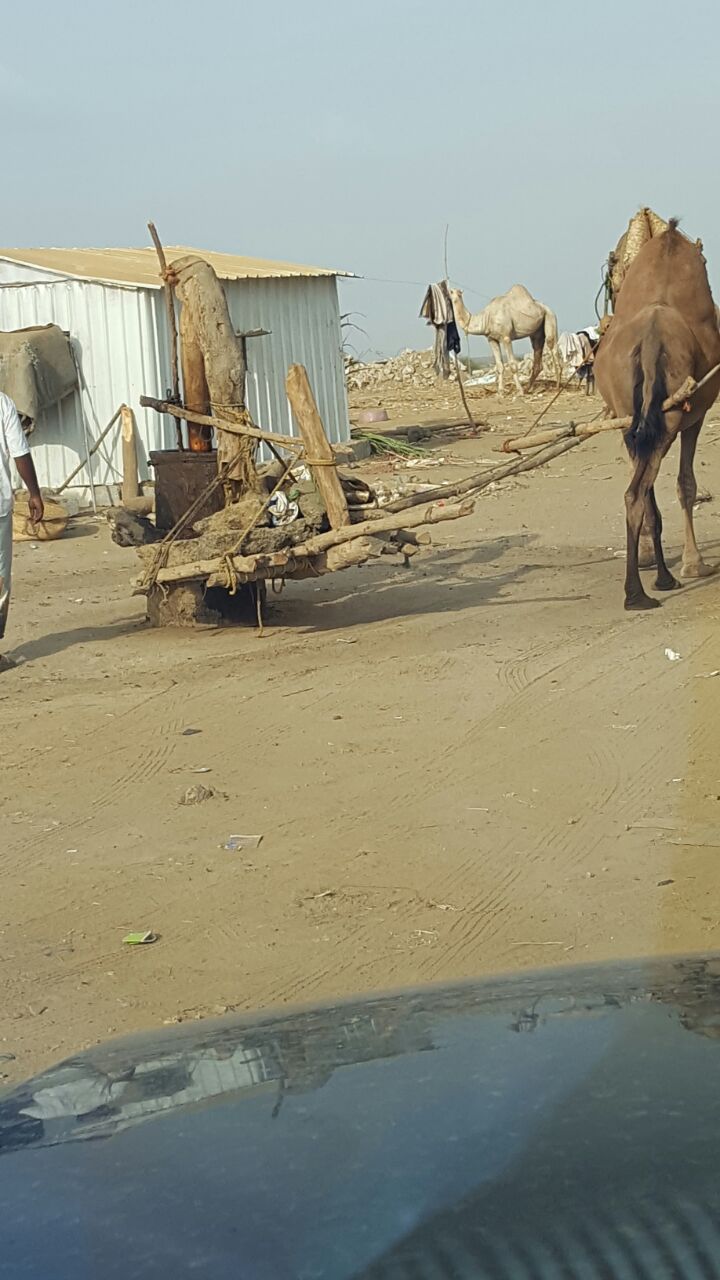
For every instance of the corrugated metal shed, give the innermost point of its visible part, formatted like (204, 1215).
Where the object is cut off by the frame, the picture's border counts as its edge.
(118, 329)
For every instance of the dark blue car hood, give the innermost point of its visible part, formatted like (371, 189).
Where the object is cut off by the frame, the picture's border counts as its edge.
(556, 1124)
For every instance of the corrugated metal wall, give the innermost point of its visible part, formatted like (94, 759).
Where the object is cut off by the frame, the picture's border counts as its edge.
(121, 340)
(304, 319)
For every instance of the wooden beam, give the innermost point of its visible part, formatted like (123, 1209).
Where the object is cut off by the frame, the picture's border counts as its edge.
(130, 478)
(222, 424)
(277, 563)
(327, 480)
(172, 325)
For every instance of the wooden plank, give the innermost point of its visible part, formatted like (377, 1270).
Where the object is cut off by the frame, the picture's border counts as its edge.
(272, 564)
(130, 480)
(317, 446)
(233, 428)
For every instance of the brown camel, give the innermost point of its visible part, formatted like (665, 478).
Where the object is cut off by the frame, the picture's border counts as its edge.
(664, 330)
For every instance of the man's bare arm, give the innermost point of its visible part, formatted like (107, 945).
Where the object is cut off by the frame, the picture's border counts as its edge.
(28, 475)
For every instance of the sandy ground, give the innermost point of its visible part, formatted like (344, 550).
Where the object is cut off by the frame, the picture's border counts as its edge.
(478, 764)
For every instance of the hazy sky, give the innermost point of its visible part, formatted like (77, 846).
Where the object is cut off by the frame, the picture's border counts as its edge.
(348, 135)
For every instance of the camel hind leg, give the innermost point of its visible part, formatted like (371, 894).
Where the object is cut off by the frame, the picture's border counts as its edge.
(495, 348)
(693, 565)
(538, 345)
(640, 506)
(512, 365)
(550, 330)
(646, 547)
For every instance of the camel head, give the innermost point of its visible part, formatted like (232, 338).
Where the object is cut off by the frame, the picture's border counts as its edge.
(462, 315)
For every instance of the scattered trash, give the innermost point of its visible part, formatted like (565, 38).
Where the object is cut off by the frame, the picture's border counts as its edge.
(707, 675)
(197, 795)
(7, 1057)
(661, 883)
(233, 843)
(140, 939)
(282, 511)
(672, 656)
(202, 769)
(343, 641)
(188, 733)
(371, 415)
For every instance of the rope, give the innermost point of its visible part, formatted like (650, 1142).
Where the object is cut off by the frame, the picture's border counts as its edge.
(249, 528)
(162, 549)
(228, 564)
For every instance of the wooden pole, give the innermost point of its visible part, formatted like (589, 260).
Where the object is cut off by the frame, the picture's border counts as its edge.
(207, 318)
(461, 385)
(322, 542)
(130, 479)
(172, 326)
(195, 388)
(233, 428)
(481, 480)
(327, 480)
(517, 444)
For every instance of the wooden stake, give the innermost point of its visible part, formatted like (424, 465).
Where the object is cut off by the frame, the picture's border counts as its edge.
(461, 385)
(688, 389)
(195, 388)
(172, 325)
(278, 563)
(223, 424)
(130, 479)
(208, 322)
(327, 480)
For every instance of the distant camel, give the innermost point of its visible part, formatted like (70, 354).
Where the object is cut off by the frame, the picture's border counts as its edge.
(663, 331)
(514, 315)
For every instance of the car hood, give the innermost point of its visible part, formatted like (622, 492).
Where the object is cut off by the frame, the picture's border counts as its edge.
(485, 1125)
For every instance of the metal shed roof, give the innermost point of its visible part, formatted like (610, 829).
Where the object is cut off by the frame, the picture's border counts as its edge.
(139, 267)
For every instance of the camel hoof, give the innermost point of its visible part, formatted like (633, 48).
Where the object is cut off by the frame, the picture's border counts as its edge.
(701, 570)
(642, 602)
(666, 582)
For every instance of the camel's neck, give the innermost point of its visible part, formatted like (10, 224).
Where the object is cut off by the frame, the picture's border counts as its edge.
(466, 321)
(476, 323)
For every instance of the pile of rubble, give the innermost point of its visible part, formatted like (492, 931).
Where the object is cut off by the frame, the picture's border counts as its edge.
(412, 368)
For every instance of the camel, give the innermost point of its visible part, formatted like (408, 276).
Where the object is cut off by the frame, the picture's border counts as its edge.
(664, 330)
(513, 315)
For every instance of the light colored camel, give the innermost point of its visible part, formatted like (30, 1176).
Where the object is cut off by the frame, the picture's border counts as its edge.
(513, 315)
(663, 331)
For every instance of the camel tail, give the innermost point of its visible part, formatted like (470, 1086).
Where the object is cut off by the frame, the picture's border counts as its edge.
(649, 392)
